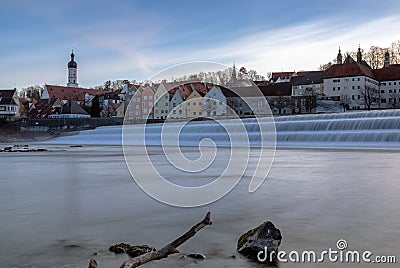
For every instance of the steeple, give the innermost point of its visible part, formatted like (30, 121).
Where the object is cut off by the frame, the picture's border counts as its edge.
(387, 59)
(339, 59)
(72, 72)
(233, 76)
(359, 55)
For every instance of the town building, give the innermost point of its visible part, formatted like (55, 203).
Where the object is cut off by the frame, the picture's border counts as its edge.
(147, 98)
(355, 85)
(214, 103)
(9, 104)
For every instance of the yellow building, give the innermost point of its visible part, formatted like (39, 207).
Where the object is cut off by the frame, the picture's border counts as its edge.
(194, 104)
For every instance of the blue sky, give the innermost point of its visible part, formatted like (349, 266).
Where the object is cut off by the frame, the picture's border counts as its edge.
(135, 39)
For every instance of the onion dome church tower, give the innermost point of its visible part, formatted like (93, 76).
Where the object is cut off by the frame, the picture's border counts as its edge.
(72, 72)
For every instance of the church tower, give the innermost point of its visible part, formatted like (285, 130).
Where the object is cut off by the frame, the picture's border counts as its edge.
(233, 79)
(339, 59)
(359, 55)
(72, 72)
(387, 59)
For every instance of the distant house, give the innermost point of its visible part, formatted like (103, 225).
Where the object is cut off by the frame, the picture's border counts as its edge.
(176, 107)
(278, 96)
(161, 98)
(214, 103)
(9, 104)
(147, 98)
(82, 96)
(194, 104)
(70, 109)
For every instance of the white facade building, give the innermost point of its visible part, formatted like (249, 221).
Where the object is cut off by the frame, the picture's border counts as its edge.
(214, 103)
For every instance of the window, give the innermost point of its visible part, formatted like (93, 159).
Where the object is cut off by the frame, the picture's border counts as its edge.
(174, 112)
(383, 100)
(144, 110)
(180, 111)
(166, 104)
(145, 97)
(353, 97)
(390, 91)
(137, 106)
(199, 102)
(194, 113)
(150, 103)
(382, 91)
(156, 111)
(150, 97)
(194, 103)
(336, 80)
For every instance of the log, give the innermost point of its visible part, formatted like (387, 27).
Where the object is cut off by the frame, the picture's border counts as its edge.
(170, 248)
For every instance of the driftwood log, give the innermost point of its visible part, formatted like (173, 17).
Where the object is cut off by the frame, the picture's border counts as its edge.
(171, 248)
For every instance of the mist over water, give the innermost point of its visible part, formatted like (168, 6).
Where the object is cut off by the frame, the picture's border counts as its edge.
(64, 205)
(60, 207)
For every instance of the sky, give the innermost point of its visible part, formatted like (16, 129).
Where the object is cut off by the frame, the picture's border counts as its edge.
(135, 39)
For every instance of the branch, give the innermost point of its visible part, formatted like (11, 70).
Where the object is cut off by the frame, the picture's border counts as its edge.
(171, 248)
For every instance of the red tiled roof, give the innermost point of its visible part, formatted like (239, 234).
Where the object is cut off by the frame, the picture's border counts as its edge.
(348, 69)
(388, 73)
(71, 93)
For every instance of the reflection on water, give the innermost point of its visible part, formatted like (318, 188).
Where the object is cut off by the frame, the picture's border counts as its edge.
(59, 208)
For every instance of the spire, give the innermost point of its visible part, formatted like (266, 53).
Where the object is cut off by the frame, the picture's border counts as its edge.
(359, 55)
(387, 59)
(339, 59)
(233, 80)
(233, 72)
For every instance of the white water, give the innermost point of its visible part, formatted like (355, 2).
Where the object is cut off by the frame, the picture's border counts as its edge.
(376, 129)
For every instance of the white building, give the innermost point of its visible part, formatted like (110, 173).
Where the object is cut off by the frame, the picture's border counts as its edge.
(9, 104)
(176, 107)
(351, 82)
(214, 103)
(161, 101)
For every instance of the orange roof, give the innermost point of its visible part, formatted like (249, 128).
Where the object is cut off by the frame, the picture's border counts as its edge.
(71, 93)
(388, 73)
(348, 69)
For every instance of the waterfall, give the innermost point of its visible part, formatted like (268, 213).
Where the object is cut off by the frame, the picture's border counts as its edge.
(375, 129)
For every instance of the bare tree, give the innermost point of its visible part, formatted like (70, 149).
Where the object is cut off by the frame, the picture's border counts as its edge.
(324, 67)
(209, 106)
(32, 92)
(375, 57)
(394, 100)
(369, 97)
(345, 102)
(280, 102)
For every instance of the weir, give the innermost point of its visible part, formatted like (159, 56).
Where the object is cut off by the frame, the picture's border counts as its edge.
(374, 129)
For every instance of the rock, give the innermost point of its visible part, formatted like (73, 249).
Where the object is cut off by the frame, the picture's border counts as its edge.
(134, 251)
(266, 238)
(92, 263)
(119, 248)
(197, 256)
